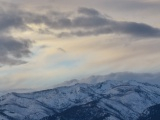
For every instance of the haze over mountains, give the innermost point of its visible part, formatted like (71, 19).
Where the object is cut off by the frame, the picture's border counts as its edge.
(141, 77)
(102, 100)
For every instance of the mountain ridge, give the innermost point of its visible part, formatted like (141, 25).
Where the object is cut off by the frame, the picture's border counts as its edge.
(114, 98)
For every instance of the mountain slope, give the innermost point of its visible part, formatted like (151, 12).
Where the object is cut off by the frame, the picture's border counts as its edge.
(109, 100)
(89, 111)
(151, 113)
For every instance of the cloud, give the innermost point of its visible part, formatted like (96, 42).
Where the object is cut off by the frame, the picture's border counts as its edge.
(97, 24)
(88, 11)
(124, 77)
(90, 22)
(62, 50)
(82, 33)
(136, 29)
(141, 77)
(12, 50)
(97, 54)
(84, 22)
(10, 19)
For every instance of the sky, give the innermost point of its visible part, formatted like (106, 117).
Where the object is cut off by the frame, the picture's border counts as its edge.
(46, 42)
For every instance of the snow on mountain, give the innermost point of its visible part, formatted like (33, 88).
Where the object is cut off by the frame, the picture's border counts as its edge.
(3, 92)
(151, 113)
(116, 99)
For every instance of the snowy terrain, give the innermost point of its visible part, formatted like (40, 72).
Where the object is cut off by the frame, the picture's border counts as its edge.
(3, 92)
(105, 100)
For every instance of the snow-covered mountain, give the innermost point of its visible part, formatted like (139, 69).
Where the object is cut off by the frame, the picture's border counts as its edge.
(107, 100)
(3, 92)
(151, 113)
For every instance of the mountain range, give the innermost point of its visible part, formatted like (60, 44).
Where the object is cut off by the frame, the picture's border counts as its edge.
(102, 100)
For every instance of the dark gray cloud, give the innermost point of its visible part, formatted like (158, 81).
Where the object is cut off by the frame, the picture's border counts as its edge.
(86, 22)
(10, 19)
(136, 29)
(128, 28)
(91, 22)
(12, 50)
(88, 11)
(99, 24)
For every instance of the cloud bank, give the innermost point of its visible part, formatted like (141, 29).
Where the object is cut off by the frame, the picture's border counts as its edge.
(85, 37)
(80, 23)
(84, 22)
